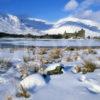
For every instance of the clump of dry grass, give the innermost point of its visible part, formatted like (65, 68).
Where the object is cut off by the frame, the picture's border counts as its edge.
(76, 57)
(27, 58)
(78, 69)
(32, 48)
(23, 72)
(34, 67)
(4, 61)
(5, 64)
(69, 59)
(88, 66)
(98, 58)
(90, 51)
(23, 92)
(45, 61)
(55, 53)
(43, 51)
(42, 71)
(9, 98)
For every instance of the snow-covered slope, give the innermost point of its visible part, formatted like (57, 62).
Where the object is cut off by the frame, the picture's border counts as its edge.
(33, 81)
(11, 24)
(72, 25)
(18, 25)
(36, 23)
(25, 25)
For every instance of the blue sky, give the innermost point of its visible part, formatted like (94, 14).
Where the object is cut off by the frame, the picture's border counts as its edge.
(52, 10)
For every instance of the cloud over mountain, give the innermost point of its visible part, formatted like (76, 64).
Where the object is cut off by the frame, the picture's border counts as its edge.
(71, 5)
(84, 9)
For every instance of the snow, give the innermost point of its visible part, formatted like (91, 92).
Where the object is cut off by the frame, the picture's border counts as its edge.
(11, 24)
(67, 85)
(83, 78)
(2, 80)
(33, 81)
(91, 85)
(55, 87)
(59, 26)
(71, 29)
(88, 22)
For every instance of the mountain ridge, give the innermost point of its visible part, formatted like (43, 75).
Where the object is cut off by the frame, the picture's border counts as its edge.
(17, 25)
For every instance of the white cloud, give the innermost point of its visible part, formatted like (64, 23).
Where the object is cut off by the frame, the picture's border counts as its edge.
(86, 4)
(71, 5)
(90, 14)
(85, 11)
(85, 14)
(40, 20)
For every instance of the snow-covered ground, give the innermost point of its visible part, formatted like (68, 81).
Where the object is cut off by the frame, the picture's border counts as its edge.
(66, 86)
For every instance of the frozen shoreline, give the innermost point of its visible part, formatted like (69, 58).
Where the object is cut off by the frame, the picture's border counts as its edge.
(11, 42)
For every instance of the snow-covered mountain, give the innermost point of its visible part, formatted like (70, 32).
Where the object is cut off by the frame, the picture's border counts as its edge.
(16, 25)
(25, 25)
(36, 23)
(72, 25)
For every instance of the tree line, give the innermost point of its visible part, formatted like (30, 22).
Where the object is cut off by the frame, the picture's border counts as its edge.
(79, 34)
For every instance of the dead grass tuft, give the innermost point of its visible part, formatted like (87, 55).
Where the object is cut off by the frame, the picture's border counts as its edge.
(55, 53)
(23, 72)
(23, 93)
(43, 51)
(9, 98)
(88, 66)
(27, 58)
(5, 64)
(90, 51)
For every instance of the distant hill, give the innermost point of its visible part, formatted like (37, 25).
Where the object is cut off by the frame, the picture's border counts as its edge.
(33, 26)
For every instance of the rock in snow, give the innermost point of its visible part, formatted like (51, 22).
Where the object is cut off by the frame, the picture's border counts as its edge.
(52, 67)
(32, 81)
